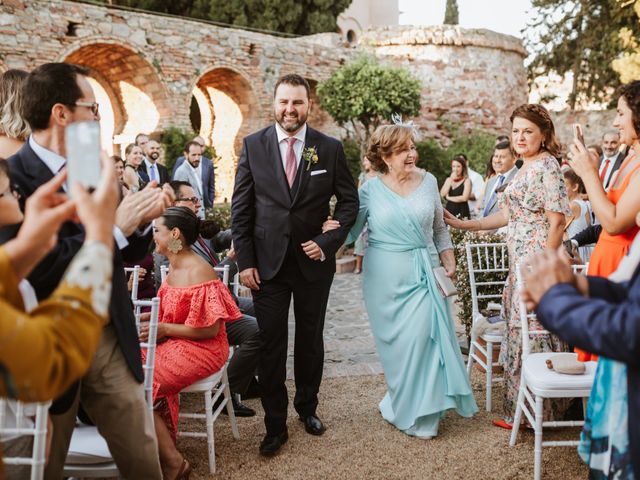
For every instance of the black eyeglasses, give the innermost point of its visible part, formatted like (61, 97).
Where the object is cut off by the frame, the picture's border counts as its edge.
(193, 200)
(12, 190)
(94, 106)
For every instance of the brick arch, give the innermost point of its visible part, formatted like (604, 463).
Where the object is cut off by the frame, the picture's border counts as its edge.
(235, 84)
(111, 62)
(230, 99)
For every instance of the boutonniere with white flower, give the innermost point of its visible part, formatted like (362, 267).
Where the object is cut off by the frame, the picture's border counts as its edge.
(310, 154)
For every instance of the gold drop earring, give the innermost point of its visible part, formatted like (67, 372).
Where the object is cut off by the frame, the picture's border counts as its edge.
(174, 245)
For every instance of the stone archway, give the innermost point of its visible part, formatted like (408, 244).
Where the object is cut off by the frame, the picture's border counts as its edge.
(135, 97)
(224, 110)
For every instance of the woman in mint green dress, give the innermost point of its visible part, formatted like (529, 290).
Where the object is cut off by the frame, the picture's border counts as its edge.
(411, 321)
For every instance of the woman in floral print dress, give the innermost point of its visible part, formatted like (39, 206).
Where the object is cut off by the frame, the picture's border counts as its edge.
(533, 208)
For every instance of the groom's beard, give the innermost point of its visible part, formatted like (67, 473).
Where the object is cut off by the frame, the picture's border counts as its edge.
(291, 123)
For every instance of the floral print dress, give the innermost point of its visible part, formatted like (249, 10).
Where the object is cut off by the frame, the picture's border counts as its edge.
(529, 195)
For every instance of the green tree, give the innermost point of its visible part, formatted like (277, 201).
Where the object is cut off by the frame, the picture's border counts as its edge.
(628, 65)
(301, 17)
(451, 13)
(581, 37)
(364, 93)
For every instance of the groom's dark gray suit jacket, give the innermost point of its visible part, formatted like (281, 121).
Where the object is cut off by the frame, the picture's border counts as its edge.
(267, 215)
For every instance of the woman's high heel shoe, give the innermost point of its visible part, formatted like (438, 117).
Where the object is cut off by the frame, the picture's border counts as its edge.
(185, 470)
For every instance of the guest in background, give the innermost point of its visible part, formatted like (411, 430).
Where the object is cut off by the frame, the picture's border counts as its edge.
(489, 173)
(360, 244)
(457, 188)
(610, 159)
(617, 208)
(119, 165)
(195, 305)
(14, 130)
(151, 166)
(533, 208)
(134, 178)
(199, 175)
(504, 164)
(581, 213)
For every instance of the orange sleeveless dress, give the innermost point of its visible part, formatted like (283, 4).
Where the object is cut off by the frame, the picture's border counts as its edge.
(610, 249)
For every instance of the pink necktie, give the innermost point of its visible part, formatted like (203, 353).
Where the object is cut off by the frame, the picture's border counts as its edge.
(292, 164)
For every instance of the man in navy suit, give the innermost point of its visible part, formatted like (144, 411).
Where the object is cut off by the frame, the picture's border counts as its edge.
(150, 165)
(594, 314)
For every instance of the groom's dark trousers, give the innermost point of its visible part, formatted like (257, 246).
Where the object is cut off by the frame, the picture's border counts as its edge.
(270, 221)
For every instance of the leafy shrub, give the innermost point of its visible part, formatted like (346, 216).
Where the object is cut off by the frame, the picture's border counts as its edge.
(463, 300)
(352, 155)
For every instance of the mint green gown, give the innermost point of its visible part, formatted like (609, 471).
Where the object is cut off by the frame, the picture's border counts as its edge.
(411, 322)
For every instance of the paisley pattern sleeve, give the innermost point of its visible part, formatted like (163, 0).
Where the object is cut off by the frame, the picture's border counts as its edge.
(51, 347)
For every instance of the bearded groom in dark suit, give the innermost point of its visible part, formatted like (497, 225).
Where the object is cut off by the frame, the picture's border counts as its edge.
(286, 176)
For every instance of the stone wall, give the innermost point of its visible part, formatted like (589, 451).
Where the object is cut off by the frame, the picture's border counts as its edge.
(165, 58)
(472, 78)
(594, 124)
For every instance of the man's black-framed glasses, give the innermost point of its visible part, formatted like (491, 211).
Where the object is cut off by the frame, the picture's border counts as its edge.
(193, 200)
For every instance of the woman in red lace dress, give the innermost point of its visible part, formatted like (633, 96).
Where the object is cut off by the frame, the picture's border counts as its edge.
(192, 341)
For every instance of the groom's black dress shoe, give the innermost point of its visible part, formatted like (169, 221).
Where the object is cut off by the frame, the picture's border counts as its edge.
(313, 425)
(272, 443)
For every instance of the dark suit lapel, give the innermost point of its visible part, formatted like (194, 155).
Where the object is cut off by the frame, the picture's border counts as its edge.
(34, 167)
(274, 161)
(310, 141)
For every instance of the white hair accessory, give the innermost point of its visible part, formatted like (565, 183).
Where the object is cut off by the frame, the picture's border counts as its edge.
(396, 118)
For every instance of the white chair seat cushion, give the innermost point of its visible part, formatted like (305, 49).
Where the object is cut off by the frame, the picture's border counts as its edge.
(88, 447)
(541, 378)
(206, 383)
(492, 337)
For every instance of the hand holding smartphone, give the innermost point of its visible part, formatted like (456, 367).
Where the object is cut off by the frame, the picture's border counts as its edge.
(82, 143)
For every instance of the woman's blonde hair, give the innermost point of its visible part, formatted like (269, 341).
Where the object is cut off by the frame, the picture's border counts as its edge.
(12, 124)
(387, 140)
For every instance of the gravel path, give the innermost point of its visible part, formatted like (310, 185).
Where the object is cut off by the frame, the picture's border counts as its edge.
(358, 443)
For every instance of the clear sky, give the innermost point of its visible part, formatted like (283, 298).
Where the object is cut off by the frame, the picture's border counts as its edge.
(504, 16)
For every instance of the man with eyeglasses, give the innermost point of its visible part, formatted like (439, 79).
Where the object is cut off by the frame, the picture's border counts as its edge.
(57, 95)
(243, 333)
(199, 173)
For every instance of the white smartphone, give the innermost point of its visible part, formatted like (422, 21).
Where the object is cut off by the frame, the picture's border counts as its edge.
(82, 142)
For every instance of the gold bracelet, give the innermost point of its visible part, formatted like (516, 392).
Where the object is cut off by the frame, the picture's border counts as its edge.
(479, 224)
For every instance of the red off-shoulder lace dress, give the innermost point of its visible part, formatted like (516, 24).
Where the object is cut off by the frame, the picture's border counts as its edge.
(181, 362)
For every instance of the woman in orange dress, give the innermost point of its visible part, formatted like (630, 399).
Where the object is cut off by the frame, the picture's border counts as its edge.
(616, 210)
(192, 341)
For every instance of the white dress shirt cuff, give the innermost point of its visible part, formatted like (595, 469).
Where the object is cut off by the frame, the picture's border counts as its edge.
(322, 256)
(121, 240)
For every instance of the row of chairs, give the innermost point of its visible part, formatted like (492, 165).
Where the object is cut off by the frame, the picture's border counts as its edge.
(537, 382)
(89, 455)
